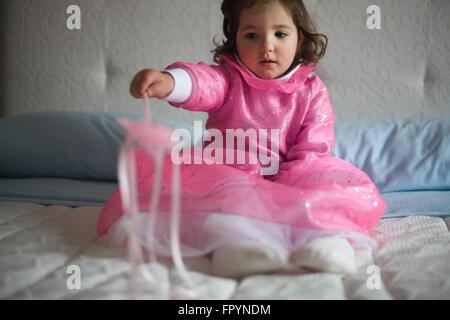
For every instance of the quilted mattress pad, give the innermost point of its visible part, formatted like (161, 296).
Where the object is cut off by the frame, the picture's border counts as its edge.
(41, 247)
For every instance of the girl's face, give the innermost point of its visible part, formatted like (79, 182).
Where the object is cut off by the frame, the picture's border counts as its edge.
(267, 40)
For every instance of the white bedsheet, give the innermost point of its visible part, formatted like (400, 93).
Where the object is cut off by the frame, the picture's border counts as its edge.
(38, 243)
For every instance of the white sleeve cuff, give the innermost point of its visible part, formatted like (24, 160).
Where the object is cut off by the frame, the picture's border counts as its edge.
(183, 86)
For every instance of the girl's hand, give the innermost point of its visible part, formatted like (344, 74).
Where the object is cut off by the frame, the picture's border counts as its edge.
(157, 84)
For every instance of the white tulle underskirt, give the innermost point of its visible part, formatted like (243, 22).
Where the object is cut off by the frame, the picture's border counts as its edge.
(201, 234)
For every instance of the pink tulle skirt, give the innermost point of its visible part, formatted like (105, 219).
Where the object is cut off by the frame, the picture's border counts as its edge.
(222, 204)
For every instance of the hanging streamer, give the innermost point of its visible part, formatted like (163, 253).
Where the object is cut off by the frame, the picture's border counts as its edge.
(154, 139)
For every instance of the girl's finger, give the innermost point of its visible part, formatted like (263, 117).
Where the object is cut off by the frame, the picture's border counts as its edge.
(156, 90)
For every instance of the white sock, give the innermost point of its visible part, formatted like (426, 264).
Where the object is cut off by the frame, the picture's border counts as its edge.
(243, 259)
(330, 254)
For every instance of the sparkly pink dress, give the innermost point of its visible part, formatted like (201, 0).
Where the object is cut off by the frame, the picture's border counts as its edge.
(312, 194)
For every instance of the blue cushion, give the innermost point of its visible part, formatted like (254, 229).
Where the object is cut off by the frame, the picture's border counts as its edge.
(417, 203)
(74, 145)
(66, 192)
(399, 155)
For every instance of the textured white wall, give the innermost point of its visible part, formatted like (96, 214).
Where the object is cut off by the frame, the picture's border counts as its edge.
(400, 71)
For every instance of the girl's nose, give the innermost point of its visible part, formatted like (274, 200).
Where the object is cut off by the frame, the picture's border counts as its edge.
(267, 45)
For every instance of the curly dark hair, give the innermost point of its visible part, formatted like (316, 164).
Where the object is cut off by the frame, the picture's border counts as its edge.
(312, 45)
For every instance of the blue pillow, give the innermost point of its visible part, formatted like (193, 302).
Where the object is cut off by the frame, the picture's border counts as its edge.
(74, 145)
(398, 155)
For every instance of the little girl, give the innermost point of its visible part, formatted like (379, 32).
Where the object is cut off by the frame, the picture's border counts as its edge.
(308, 212)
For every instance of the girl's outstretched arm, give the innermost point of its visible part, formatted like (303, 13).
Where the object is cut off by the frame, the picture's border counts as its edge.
(203, 87)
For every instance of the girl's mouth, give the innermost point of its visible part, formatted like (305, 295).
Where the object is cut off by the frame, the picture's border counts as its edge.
(267, 62)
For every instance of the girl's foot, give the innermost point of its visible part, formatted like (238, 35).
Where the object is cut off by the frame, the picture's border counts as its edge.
(243, 259)
(331, 254)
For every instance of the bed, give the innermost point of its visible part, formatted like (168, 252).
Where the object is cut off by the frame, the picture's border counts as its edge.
(40, 243)
(48, 225)
(58, 152)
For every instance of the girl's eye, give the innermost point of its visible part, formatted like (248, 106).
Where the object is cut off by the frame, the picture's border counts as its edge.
(281, 35)
(250, 35)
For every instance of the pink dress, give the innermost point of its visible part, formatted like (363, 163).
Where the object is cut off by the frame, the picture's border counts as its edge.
(313, 194)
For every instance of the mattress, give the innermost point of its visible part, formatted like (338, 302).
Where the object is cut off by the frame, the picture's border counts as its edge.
(42, 247)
